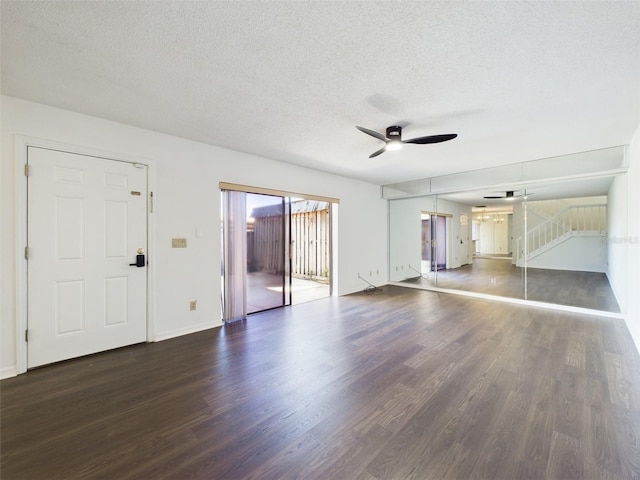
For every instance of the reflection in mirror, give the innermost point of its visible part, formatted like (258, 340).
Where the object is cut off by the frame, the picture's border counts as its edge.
(545, 242)
(430, 241)
(564, 244)
(489, 241)
(408, 240)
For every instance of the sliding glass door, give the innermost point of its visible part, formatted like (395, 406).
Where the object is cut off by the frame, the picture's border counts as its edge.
(268, 260)
(276, 251)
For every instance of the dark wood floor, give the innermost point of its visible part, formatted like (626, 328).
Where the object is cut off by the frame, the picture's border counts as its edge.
(498, 276)
(398, 384)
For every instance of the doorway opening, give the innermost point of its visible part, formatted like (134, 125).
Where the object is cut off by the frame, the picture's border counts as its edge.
(434, 242)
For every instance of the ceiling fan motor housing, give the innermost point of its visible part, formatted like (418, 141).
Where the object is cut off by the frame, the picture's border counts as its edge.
(394, 133)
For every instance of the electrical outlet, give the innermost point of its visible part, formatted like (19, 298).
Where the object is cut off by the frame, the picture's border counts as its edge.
(193, 304)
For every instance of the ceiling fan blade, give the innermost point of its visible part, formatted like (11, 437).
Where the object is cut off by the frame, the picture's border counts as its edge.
(373, 133)
(431, 139)
(375, 154)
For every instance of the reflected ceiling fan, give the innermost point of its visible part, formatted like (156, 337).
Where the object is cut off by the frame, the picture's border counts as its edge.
(508, 195)
(393, 139)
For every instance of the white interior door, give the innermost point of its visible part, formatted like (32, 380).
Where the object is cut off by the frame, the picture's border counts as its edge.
(87, 218)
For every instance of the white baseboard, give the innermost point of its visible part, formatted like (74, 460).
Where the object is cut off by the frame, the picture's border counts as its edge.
(8, 372)
(184, 331)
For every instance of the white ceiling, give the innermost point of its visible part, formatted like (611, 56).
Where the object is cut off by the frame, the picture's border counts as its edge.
(516, 81)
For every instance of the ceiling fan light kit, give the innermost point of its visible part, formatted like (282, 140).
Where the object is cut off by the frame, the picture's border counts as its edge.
(393, 139)
(393, 145)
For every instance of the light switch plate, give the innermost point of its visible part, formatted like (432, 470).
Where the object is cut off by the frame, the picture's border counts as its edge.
(178, 243)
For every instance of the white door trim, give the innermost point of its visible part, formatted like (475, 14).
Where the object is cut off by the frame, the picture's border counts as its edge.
(21, 144)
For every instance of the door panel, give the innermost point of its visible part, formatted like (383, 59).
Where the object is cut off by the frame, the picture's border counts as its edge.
(86, 220)
(267, 235)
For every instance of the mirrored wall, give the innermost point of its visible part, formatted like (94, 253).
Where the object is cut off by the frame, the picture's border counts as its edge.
(551, 241)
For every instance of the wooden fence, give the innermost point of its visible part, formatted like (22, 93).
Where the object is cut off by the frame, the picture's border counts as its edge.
(309, 241)
(265, 251)
(310, 244)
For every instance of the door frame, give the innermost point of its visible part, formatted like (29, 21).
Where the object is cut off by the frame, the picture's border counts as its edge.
(333, 221)
(21, 145)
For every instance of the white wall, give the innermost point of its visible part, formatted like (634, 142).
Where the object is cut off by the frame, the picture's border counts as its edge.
(617, 240)
(633, 239)
(494, 235)
(624, 239)
(405, 237)
(578, 254)
(187, 198)
(405, 234)
(517, 230)
(459, 242)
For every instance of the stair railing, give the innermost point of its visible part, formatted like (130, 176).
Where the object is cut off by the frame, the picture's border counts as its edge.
(570, 221)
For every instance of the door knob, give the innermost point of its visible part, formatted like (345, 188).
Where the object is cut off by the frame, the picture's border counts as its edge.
(140, 260)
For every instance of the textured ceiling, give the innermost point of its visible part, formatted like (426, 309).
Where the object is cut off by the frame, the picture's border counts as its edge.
(290, 80)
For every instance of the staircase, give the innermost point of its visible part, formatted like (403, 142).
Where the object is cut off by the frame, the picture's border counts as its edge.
(570, 221)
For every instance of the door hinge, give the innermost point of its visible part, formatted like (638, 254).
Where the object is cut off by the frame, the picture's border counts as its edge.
(26, 335)
(150, 202)
(26, 253)
(26, 169)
